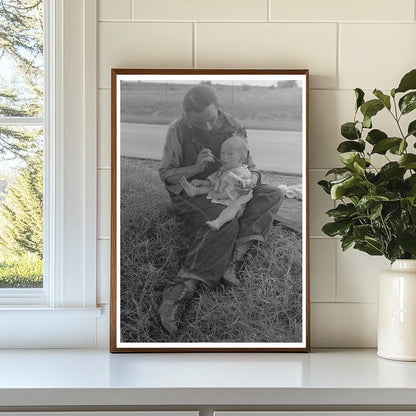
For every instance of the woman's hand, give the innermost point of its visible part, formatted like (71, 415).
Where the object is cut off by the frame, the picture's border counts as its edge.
(205, 156)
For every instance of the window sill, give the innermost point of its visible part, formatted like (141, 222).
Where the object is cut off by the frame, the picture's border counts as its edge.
(40, 327)
(36, 312)
(323, 379)
(22, 297)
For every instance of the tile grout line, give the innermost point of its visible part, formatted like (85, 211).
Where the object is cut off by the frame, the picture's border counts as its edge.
(349, 302)
(336, 271)
(131, 9)
(269, 11)
(322, 237)
(338, 63)
(194, 62)
(228, 21)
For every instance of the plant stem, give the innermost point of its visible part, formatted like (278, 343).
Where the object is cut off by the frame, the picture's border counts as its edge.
(397, 118)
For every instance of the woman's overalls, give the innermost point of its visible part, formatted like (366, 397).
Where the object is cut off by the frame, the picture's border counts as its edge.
(211, 251)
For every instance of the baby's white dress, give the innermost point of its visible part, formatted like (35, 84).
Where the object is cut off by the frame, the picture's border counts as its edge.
(224, 180)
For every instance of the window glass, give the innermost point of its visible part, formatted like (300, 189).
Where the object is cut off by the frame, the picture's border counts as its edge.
(21, 143)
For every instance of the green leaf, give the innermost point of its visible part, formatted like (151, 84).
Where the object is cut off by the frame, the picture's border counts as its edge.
(374, 242)
(369, 201)
(408, 82)
(391, 212)
(368, 248)
(336, 228)
(407, 240)
(346, 242)
(411, 180)
(374, 136)
(385, 99)
(361, 231)
(371, 108)
(349, 131)
(367, 122)
(408, 102)
(348, 158)
(385, 144)
(393, 250)
(345, 187)
(412, 202)
(338, 171)
(391, 170)
(359, 166)
(375, 212)
(325, 186)
(408, 161)
(411, 184)
(402, 147)
(413, 210)
(342, 211)
(338, 188)
(398, 149)
(350, 146)
(411, 130)
(359, 95)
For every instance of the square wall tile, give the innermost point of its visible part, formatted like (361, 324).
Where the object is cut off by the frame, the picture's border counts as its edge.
(342, 10)
(104, 129)
(270, 45)
(376, 55)
(200, 10)
(319, 203)
(103, 328)
(103, 271)
(343, 325)
(323, 269)
(328, 110)
(114, 10)
(142, 45)
(104, 203)
(357, 275)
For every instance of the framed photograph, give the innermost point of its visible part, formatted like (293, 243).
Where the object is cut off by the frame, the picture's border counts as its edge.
(209, 211)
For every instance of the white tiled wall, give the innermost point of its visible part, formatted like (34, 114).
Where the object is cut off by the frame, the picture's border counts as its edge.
(345, 44)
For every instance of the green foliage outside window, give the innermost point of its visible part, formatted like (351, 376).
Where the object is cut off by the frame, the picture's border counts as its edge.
(21, 147)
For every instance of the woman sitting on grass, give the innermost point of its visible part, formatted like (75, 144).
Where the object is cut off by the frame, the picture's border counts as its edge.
(192, 151)
(220, 186)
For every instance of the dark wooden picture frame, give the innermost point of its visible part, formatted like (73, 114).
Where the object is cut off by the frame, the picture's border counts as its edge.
(161, 301)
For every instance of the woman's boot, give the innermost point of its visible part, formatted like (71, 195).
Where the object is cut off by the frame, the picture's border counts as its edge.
(174, 300)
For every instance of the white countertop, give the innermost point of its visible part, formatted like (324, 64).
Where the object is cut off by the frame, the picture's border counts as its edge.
(96, 377)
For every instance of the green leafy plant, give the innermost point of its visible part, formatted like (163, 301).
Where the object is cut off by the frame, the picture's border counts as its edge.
(376, 212)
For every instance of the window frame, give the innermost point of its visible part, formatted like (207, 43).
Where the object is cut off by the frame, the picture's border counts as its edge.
(38, 296)
(70, 208)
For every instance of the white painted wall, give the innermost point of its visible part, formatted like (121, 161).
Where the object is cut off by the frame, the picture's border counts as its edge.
(345, 44)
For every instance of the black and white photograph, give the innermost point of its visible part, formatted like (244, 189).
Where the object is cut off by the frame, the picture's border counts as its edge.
(209, 217)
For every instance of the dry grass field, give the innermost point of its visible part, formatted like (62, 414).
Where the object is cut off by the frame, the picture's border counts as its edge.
(266, 308)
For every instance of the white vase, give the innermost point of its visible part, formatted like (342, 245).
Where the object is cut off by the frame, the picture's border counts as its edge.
(397, 312)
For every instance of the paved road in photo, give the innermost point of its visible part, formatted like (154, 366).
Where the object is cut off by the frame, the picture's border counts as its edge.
(273, 150)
